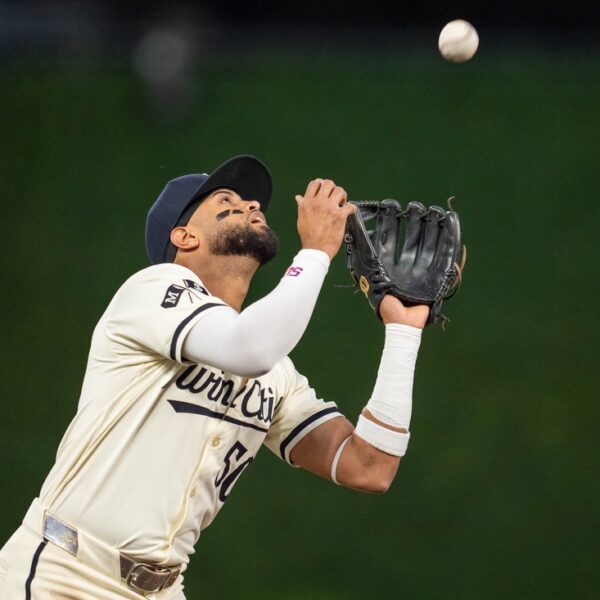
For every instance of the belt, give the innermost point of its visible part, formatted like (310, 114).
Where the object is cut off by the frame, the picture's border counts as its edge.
(141, 577)
(146, 577)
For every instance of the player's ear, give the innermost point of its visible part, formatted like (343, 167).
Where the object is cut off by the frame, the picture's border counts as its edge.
(185, 238)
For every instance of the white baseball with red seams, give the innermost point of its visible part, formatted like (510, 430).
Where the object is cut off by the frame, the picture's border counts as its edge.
(458, 41)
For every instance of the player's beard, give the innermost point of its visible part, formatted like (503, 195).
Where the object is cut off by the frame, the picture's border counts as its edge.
(245, 240)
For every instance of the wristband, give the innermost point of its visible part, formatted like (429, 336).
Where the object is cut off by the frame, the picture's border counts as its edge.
(382, 438)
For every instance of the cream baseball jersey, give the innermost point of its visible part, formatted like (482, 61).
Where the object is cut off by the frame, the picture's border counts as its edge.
(158, 442)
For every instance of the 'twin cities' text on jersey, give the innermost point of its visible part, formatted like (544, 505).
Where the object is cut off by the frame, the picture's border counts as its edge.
(254, 401)
(151, 424)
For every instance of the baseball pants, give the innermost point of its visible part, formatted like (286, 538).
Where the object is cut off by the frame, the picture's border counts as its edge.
(34, 569)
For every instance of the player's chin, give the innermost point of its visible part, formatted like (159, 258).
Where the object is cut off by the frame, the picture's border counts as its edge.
(269, 245)
(263, 230)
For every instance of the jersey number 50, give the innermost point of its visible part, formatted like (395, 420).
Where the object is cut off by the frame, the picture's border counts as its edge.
(227, 477)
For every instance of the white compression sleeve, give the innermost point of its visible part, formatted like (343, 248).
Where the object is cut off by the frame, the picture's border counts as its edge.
(391, 401)
(252, 342)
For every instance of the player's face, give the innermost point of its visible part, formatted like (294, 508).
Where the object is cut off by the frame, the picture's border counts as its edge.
(226, 205)
(234, 226)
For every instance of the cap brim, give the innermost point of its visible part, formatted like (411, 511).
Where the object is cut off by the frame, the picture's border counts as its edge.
(244, 174)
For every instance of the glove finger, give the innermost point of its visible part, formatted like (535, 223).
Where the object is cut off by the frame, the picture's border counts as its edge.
(449, 251)
(414, 225)
(431, 234)
(460, 269)
(388, 229)
(356, 233)
(359, 248)
(449, 248)
(368, 210)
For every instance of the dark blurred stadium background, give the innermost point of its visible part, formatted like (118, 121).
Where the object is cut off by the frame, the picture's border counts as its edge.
(102, 102)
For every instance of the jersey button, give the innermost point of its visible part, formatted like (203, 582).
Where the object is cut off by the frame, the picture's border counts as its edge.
(216, 442)
(193, 492)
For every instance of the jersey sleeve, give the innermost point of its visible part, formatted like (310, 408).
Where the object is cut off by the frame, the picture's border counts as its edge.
(297, 414)
(155, 309)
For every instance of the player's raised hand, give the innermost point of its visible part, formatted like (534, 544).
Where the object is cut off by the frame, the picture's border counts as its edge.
(322, 214)
(393, 311)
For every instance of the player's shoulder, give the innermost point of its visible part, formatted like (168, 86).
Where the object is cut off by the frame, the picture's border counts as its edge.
(169, 273)
(163, 272)
(164, 284)
(286, 366)
(286, 374)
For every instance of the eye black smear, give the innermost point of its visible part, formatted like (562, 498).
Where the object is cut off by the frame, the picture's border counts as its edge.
(226, 213)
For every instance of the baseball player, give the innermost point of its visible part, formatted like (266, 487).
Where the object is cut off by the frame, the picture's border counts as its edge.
(183, 387)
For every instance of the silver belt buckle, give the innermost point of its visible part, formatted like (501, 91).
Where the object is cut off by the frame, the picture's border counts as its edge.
(149, 579)
(60, 534)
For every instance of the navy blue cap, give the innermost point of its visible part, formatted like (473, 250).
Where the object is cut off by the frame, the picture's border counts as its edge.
(244, 174)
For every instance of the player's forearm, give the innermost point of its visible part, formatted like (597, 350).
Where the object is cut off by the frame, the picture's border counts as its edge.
(367, 458)
(254, 341)
(391, 400)
(364, 468)
(371, 455)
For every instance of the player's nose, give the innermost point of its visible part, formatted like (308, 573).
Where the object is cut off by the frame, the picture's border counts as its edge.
(251, 205)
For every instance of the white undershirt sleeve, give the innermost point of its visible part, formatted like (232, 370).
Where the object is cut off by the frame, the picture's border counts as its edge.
(252, 342)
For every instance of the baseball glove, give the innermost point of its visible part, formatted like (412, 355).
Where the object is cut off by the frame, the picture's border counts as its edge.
(414, 254)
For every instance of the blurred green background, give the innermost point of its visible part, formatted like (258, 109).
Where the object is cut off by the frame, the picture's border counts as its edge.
(498, 494)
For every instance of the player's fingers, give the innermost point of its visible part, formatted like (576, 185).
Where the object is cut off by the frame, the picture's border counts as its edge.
(349, 209)
(326, 188)
(299, 199)
(339, 195)
(312, 189)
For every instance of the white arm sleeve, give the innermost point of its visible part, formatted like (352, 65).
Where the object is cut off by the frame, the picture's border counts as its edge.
(252, 342)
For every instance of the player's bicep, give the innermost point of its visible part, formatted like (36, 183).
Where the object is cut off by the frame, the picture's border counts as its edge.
(315, 451)
(221, 340)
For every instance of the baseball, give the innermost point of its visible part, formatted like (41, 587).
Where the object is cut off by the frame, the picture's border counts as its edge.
(458, 41)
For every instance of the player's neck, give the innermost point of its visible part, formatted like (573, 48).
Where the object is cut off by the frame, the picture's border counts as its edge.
(227, 277)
